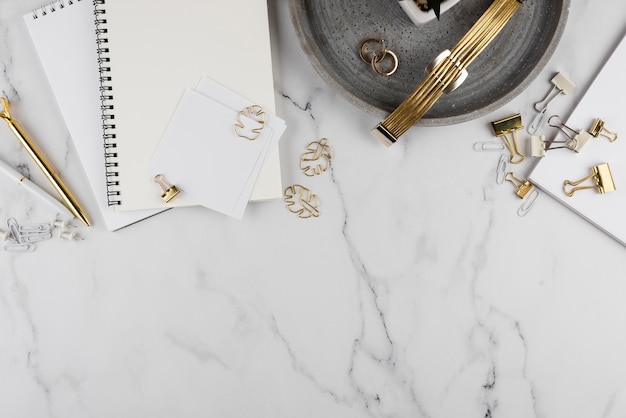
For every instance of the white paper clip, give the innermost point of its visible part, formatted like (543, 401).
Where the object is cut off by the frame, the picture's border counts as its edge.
(489, 146)
(577, 139)
(502, 168)
(528, 202)
(23, 237)
(560, 85)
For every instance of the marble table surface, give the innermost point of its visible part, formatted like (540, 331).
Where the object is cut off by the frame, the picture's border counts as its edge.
(418, 292)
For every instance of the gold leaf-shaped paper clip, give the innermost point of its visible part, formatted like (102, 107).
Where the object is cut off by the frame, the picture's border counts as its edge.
(302, 202)
(258, 117)
(506, 126)
(169, 191)
(598, 129)
(316, 159)
(602, 177)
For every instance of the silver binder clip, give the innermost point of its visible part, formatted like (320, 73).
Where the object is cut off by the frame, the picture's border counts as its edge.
(577, 139)
(560, 85)
(598, 129)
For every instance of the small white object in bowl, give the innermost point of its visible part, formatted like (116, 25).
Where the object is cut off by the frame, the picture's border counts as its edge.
(418, 16)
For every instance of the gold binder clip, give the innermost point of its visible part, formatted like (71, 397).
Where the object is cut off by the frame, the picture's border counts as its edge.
(523, 187)
(602, 177)
(577, 139)
(598, 129)
(256, 114)
(169, 191)
(510, 125)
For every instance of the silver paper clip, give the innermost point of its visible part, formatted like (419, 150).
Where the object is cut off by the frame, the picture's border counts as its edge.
(577, 139)
(528, 202)
(502, 169)
(489, 146)
(598, 129)
(560, 85)
(24, 237)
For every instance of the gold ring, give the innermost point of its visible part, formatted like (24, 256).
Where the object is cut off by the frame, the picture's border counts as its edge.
(368, 55)
(377, 62)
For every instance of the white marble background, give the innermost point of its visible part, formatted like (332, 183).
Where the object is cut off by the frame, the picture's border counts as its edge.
(419, 292)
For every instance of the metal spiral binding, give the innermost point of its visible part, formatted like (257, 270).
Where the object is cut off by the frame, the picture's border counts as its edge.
(52, 7)
(107, 107)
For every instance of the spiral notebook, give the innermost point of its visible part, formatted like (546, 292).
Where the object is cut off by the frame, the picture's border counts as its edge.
(602, 100)
(64, 39)
(118, 86)
(150, 53)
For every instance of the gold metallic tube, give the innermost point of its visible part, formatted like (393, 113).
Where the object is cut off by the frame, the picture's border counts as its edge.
(446, 72)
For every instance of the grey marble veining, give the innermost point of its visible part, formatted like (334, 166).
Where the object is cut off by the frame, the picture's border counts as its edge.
(419, 292)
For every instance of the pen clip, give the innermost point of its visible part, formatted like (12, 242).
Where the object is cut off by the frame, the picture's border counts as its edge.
(6, 113)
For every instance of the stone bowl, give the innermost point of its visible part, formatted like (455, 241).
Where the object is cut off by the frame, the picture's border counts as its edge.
(331, 32)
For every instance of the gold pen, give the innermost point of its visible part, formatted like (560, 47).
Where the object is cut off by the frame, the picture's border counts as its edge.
(68, 199)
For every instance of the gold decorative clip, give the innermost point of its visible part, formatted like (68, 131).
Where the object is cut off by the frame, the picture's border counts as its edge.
(598, 129)
(602, 177)
(317, 158)
(510, 125)
(302, 202)
(169, 191)
(256, 113)
(523, 187)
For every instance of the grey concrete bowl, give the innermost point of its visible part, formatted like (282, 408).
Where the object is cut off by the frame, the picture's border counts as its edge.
(331, 31)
